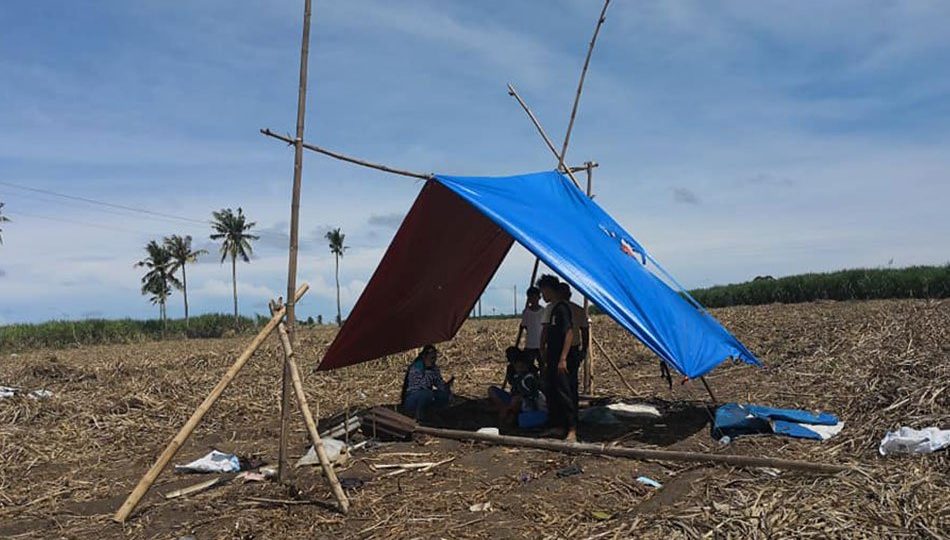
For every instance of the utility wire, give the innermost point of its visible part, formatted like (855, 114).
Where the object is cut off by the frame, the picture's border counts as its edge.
(112, 228)
(103, 203)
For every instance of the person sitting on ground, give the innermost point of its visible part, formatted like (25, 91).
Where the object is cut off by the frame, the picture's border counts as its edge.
(531, 323)
(525, 405)
(423, 386)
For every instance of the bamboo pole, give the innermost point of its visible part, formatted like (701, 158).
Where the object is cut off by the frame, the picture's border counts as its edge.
(146, 482)
(325, 464)
(634, 453)
(580, 83)
(589, 361)
(294, 238)
(547, 140)
(349, 159)
(613, 365)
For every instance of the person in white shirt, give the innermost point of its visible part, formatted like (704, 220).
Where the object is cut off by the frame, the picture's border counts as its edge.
(531, 324)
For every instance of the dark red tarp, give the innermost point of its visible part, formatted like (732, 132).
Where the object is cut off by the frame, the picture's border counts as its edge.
(440, 261)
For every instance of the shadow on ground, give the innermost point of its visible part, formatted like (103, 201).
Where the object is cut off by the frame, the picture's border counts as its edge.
(678, 421)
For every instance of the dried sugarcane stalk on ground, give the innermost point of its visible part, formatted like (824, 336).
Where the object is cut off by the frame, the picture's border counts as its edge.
(66, 462)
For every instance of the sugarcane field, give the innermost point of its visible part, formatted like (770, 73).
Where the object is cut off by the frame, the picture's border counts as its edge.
(586, 270)
(70, 460)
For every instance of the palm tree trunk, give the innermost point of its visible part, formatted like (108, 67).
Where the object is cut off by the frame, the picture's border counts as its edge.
(234, 286)
(184, 288)
(339, 313)
(164, 319)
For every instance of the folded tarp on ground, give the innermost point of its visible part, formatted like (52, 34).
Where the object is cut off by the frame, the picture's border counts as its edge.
(734, 420)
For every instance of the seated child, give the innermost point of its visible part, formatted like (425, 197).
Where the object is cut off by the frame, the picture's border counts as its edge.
(525, 404)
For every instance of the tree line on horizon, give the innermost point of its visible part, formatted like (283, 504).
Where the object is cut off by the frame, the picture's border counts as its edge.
(232, 229)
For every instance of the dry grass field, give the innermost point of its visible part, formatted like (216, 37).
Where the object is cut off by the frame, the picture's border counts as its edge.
(67, 462)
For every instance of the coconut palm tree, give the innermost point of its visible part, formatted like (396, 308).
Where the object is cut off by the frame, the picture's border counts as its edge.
(3, 219)
(158, 280)
(232, 229)
(335, 237)
(179, 248)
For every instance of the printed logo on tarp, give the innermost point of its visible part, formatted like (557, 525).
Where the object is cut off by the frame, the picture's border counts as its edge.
(624, 245)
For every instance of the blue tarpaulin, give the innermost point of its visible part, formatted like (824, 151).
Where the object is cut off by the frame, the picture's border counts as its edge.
(734, 420)
(576, 238)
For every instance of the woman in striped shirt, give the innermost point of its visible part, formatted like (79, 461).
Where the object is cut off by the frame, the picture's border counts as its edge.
(423, 387)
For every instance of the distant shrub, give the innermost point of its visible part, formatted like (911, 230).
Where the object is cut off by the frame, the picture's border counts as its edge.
(102, 331)
(856, 284)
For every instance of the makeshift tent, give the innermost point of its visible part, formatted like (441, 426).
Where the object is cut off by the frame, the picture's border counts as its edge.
(459, 231)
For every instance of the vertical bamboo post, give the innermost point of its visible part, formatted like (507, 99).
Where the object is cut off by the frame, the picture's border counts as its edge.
(146, 482)
(325, 464)
(589, 361)
(294, 236)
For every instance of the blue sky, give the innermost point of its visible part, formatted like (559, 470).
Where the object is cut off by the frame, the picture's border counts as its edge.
(735, 138)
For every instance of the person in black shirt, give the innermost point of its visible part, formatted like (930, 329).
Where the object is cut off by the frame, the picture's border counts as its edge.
(525, 402)
(560, 364)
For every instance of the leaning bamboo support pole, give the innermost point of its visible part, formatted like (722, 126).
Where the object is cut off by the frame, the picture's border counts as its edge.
(146, 482)
(349, 159)
(613, 365)
(580, 83)
(634, 453)
(547, 140)
(282, 468)
(325, 464)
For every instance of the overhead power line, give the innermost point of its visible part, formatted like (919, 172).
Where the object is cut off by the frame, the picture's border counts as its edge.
(104, 203)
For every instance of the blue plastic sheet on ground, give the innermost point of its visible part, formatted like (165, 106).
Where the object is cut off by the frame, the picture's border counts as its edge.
(734, 420)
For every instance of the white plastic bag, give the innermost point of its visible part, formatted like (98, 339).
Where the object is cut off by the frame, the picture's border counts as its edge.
(914, 441)
(336, 453)
(213, 462)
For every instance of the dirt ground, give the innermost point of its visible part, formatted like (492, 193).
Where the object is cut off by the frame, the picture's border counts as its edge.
(67, 462)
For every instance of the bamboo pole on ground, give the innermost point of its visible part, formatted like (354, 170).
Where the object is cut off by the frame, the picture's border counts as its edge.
(634, 453)
(146, 482)
(325, 464)
(282, 469)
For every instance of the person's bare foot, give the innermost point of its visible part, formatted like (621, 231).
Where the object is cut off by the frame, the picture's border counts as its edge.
(571, 436)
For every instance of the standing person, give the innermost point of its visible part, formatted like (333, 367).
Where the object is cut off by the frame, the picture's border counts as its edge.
(560, 365)
(531, 324)
(423, 387)
(581, 323)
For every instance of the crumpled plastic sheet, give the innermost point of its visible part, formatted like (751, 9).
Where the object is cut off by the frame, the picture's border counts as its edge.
(914, 441)
(213, 462)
